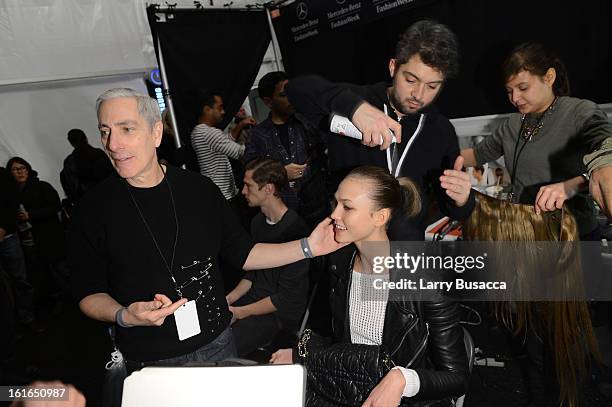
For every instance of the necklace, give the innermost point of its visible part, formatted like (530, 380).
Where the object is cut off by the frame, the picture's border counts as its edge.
(170, 266)
(529, 128)
(530, 125)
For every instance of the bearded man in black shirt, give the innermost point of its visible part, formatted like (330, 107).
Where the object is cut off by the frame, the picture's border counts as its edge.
(427, 150)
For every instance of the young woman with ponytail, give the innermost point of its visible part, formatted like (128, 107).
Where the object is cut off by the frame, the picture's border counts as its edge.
(421, 341)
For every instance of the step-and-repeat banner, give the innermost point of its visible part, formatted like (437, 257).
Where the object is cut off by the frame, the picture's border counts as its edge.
(307, 19)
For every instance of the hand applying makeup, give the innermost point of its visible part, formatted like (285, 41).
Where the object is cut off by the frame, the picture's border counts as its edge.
(457, 183)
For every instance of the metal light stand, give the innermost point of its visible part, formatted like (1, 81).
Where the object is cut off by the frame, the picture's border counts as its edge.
(275, 47)
(168, 95)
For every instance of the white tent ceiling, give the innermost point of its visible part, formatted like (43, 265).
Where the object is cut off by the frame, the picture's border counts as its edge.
(56, 56)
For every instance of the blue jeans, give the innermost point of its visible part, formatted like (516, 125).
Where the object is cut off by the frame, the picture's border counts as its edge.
(221, 348)
(12, 262)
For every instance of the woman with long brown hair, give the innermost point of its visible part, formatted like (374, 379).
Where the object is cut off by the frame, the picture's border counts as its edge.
(557, 336)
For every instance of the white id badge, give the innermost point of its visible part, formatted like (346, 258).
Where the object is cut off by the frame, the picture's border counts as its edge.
(187, 322)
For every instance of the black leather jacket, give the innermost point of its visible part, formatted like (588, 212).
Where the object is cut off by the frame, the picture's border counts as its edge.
(423, 336)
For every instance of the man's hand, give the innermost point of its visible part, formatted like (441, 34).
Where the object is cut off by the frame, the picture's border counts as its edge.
(375, 126)
(387, 393)
(238, 313)
(600, 186)
(282, 357)
(239, 291)
(2, 234)
(457, 183)
(151, 313)
(295, 171)
(248, 121)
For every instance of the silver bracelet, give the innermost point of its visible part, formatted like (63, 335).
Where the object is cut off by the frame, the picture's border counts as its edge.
(119, 318)
(306, 248)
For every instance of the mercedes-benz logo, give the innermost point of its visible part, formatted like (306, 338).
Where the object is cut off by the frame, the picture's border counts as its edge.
(155, 77)
(301, 11)
(340, 1)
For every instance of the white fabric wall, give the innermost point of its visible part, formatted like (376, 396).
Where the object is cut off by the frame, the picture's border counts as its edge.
(59, 39)
(56, 57)
(35, 118)
(63, 39)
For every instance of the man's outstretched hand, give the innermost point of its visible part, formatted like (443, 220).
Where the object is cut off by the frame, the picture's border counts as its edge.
(457, 183)
(151, 313)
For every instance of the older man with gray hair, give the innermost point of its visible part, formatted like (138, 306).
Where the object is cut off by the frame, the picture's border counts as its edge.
(145, 246)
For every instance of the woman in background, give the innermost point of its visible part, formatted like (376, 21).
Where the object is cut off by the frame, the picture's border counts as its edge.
(40, 229)
(544, 143)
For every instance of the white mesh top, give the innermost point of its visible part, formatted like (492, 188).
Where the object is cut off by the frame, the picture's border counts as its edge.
(367, 309)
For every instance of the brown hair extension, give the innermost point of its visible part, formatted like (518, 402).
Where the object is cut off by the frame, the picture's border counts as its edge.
(567, 324)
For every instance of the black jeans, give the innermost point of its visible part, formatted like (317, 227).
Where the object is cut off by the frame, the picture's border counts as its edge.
(254, 332)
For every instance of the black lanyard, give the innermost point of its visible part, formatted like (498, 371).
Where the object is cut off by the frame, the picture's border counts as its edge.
(517, 151)
(526, 135)
(176, 234)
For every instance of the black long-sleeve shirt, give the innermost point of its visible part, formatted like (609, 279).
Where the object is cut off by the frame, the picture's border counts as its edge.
(434, 149)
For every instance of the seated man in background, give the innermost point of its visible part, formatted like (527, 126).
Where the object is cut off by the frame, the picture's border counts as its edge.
(267, 301)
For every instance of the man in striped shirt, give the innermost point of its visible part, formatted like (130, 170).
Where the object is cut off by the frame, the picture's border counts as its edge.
(213, 148)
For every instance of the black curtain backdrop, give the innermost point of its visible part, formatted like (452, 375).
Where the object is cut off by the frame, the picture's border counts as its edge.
(359, 51)
(218, 50)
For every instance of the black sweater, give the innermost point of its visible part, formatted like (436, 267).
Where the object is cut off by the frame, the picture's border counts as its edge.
(434, 150)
